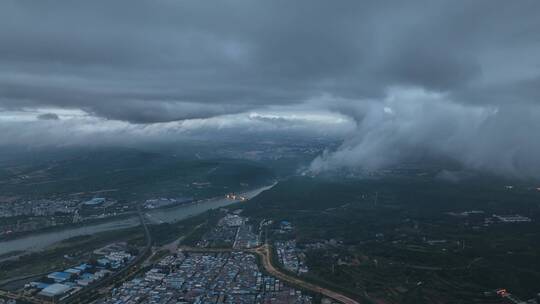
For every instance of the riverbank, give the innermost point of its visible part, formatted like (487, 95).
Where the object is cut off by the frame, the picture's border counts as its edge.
(39, 241)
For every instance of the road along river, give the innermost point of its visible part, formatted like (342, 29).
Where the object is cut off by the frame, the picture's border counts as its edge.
(39, 241)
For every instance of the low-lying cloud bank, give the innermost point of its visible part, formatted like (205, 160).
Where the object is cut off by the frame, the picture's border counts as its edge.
(58, 128)
(410, 124)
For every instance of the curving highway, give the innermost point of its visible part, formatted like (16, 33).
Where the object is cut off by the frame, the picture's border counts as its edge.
(265, 254)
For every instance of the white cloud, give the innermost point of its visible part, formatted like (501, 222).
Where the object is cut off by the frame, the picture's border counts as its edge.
(79, 127)
(425, 123)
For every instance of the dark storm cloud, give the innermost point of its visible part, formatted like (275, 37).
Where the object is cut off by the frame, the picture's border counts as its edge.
(48, 116)
(155, 61)
(110, 57)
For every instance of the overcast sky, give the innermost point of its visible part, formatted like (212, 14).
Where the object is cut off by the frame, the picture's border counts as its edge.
(394, 78)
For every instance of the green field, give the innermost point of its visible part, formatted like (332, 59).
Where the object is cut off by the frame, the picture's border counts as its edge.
(380, 230)
(129, 174)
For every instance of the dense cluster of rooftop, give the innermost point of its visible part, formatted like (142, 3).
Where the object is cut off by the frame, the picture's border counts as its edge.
(232, 230)
(206, 278)
(41, 207)
(291, 257)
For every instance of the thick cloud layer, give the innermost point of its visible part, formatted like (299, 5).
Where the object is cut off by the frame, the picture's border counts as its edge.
(411, 125)
(69, 128)
(467, 72)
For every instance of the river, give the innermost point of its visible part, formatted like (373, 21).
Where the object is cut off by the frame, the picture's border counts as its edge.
(39, 241)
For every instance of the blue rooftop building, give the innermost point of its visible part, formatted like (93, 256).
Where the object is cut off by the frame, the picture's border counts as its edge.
(59, 276)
